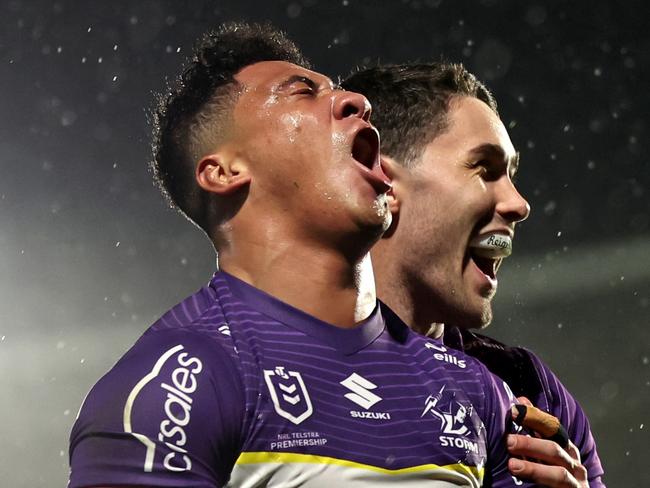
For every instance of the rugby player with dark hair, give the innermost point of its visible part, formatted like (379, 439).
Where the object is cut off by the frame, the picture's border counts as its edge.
(283, 370)
(454, 208)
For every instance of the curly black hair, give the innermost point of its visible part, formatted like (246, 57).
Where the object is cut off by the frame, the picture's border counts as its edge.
(196, 110)
(410, 102)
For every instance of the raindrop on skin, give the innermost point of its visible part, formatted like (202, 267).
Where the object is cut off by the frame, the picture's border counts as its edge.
(380, 205)
(293, 122)
(270, 101)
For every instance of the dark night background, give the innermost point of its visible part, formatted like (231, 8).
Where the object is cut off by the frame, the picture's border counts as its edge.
(90, 256)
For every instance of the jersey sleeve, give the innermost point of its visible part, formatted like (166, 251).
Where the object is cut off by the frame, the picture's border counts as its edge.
(568, 410)
(498, 423)
(169, 413)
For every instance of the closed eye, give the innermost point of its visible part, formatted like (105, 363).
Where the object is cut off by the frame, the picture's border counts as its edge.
(485, 170)
(300, 85)
(303, 90)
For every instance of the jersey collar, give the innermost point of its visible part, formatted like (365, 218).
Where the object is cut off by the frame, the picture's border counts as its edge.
(346, 341)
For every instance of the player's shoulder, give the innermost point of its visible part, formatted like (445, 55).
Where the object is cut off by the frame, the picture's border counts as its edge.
(170, 355)
(444, 357)
(519, 357)
(189, 344)
(176, 390)
(164, 368)
(201, 312)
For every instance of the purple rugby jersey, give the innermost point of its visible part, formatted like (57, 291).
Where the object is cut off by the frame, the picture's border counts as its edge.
(234, 388)
(528, 376)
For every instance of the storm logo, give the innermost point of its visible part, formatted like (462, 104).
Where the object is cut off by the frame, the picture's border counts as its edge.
(455, 421)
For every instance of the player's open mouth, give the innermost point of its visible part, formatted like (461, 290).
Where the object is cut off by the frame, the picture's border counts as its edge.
(365, 147)
(365, 151)
(487, 266)
(488, 251)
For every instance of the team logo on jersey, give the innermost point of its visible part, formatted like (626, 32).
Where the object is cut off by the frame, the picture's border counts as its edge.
(289, 394)
(456, 420)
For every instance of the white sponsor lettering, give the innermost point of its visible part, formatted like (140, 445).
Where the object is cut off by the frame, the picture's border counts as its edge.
(448, 358)
(370, 415)
(177, 408)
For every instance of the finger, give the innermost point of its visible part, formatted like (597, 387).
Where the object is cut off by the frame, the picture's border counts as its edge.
(525, 401)
(542, 449)
(548, 426)
(579, 471)
(573, 451)
(551, 476)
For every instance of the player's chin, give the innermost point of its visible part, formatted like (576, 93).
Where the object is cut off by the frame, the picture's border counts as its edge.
(486, 317)
(484, 312)
(476, 314)
(375, 216)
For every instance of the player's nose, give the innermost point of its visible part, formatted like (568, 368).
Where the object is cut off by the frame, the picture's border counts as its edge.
(511, 205)
(351, 104)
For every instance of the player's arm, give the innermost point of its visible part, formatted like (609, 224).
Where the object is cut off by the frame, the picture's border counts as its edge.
(169, 413)
(572, 416)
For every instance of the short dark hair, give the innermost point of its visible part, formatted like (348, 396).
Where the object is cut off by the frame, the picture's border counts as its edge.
(410, 102)
(197, 108)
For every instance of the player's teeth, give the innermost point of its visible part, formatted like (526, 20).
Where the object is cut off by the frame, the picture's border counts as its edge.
(492, 245)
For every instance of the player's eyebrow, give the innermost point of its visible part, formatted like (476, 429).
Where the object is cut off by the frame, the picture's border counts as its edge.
(495, 151)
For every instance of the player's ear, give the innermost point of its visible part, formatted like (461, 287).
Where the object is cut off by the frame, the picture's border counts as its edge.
(392, 170)
(222, 173)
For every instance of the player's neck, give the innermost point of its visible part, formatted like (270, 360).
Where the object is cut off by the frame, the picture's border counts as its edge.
(395, 290)
(317, 281)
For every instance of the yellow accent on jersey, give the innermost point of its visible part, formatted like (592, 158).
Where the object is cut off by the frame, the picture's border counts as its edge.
(290, 457)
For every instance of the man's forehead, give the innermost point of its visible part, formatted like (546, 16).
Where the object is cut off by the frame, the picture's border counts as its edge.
(476, 124)
(273, 73)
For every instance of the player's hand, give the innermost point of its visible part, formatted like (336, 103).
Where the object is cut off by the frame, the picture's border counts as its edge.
(562, 468)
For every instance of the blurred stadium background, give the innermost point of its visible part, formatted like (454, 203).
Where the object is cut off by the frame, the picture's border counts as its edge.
(90, 256)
